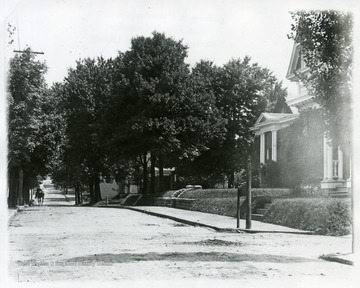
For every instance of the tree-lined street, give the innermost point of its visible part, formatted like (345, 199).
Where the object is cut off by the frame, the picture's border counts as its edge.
(59, 242)
(148, 126)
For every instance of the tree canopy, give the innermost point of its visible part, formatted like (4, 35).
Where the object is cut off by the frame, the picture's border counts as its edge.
(120, 118)
(242, 91)
(161, 110)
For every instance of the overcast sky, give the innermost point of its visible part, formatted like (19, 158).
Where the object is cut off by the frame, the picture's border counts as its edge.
(215, 30)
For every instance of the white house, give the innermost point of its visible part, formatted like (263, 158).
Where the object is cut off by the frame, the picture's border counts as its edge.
(267, 125)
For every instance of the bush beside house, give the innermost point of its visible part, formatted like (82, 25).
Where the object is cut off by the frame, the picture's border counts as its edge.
(299, 154)
(325, 216)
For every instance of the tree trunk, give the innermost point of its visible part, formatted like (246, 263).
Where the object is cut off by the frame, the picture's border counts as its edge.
(21, 187)
(152, 172)
(77, 194)
(91, 189)
(12, 201)
(231, 177)
(26, 191)
(97, 188)
(161, 173)
(145, 175)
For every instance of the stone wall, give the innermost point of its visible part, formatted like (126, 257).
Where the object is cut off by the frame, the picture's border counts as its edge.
(179, 203)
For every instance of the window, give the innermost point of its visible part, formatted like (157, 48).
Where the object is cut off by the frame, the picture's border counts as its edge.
(268, 146)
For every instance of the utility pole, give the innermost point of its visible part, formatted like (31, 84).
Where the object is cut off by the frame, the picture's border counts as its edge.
(33, 52)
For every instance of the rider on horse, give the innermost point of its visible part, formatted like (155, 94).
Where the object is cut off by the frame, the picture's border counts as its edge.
(40, 196)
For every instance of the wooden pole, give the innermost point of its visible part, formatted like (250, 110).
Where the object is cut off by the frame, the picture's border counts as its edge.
(248, 199)
(238, 208)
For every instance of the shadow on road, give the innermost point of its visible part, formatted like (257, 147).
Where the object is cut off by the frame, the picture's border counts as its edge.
(191, 256)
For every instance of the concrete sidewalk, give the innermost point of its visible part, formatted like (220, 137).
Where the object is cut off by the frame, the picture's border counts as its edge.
(213, 221)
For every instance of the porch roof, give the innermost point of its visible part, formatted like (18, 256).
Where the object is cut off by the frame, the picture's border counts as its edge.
(273, 121)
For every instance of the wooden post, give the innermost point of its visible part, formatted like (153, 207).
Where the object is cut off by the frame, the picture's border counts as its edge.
(152, 173)
(248, 198)
(238, 208)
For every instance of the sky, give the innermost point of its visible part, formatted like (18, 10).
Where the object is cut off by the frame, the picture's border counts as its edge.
(213, 30)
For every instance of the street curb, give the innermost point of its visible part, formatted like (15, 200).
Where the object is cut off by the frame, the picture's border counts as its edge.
(231, 230)
(336, 258)
(192, 223)
(14, 212)
(67, 199)
(11, 216)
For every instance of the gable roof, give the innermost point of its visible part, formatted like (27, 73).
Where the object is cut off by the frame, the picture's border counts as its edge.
(274, 118)
(296, 63)
(272, 121)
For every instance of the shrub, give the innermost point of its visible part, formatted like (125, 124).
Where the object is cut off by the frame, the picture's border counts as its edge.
(209, 193)
(307, 190)
(219, 206)
(300, 150)
(227, 206)
(221, 201)
(270, 175)
(325, 216)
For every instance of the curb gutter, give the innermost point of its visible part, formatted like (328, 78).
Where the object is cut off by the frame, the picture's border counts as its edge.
(14, 212)
(231, 230)
(336, 258)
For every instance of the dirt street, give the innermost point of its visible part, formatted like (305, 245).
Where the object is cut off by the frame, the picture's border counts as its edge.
(60, 242)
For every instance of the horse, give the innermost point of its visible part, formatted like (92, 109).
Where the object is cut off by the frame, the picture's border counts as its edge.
(40, 196)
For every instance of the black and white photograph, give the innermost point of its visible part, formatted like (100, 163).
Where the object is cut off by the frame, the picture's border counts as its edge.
(154, 143)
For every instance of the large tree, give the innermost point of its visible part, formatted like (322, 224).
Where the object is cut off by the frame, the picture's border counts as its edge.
(161, 112)
(327, 49)
(29, 128)
(85, 100)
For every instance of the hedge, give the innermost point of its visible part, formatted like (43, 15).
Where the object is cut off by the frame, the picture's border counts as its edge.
(325, 216)
(227, 206)
(209, 193)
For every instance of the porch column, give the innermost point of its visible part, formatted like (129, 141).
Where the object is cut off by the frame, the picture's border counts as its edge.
(274, 145)
(348, 181)
(341, 164)
(325, 148)
(330, 162)
(262, 148)
(350, 168)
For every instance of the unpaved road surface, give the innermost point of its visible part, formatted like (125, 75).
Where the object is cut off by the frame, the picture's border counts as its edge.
(60, 242)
